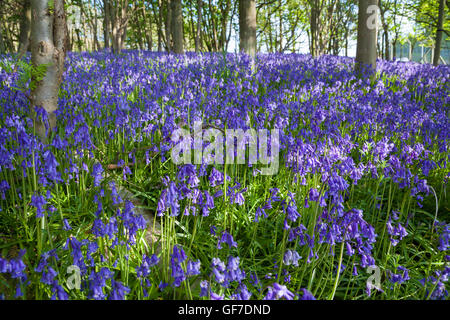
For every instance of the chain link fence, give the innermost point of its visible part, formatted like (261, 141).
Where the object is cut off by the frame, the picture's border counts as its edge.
(421, 52)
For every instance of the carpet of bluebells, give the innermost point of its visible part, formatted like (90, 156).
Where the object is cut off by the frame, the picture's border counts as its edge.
(359, 208)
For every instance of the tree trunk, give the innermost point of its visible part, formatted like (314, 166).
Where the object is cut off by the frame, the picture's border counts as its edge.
(437, 48)
(79, 42)
(177, 27)
(366, 48)
(223, 35)
(48, 39)
(160, 33)
(169, 26)
(147, 28)
(8, 42)
(199, 26)
(346, 43)
(280, 17)
(68, 45)
(212, 13)
(314, 26)
(247, 27)
(119, 22)
(385, 32)
(95, 27)
(106, 23)
(25, 22)
(139, 22)
(2, 44)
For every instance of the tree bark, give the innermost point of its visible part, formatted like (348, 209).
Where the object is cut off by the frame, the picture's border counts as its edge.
(212, 13)
(119, 22)
(48, 39)
(25, 22)
(366, 48)
(160, 33)
(95, 26)
(247, 27)
(223, 35)
(147, 27)
(385, 32)
(314, 26)
(169, 26)
(8, 41)
(199, 26)
(437, 48)
(106, 23)
(2, 44)
(280, 17)
(177, 27)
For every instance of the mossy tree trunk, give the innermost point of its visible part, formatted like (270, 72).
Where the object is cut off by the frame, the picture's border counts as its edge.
(48, 40)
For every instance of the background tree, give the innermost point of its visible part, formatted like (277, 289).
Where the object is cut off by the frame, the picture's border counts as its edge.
(25, 22)
(317, 26)
(2, 44)
(198, 34)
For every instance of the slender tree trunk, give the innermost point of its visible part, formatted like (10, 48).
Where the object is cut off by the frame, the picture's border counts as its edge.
(386, 45)
(394, 47)
(280, 17)
(25, 22)
(119, 22)
(366, 49)
(177, 27)
(314, 26)
(8, 42)
(95, 26)
(437, 48)
(2, 44)
(160, 18)
(169, 26)
(106, 23)
(147, 28)
(212, 13)
(199, 26)
(48, 39)
(270, 33)
(139, 22)
(385, 31)
(231, 25)
(247, 27)
(79, 42)
(346, 43)
(223, 32)
(68, 45)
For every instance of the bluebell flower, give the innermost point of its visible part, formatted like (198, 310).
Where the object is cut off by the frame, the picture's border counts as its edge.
(48, 276)
(307, 295)
(313, 194)
(204, 288)
(38, 202)
(400, 278)
(119, 291)
(291, 257)
(233, 272)
(97, 174)
(215, 296)
(242, 293)
(228, 239)
(193, 268)
(66, 225)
